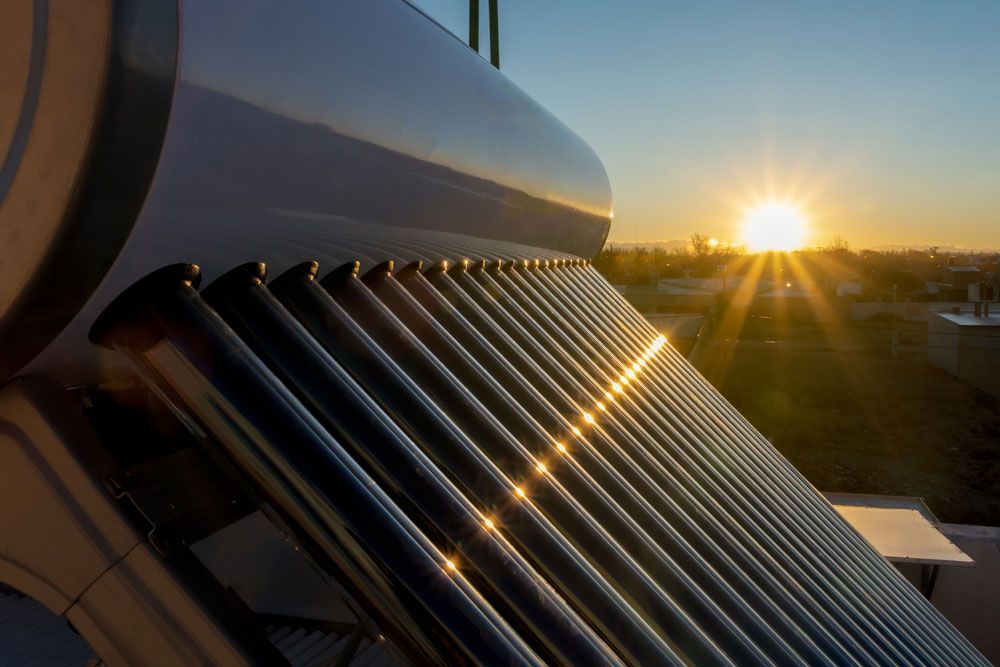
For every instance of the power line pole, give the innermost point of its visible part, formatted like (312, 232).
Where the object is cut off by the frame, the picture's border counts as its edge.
(895, 319)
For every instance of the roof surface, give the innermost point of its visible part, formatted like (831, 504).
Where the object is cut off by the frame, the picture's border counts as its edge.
(965, 320)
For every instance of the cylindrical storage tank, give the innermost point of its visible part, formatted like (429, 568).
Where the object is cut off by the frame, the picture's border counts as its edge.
(139, 133)
(85, 93)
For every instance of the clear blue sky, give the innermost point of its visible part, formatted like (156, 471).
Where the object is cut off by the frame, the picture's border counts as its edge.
(881, 118)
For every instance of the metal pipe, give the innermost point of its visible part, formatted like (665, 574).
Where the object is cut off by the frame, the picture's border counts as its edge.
(474, 25)
(738, 565)
(494, 34)
(415, 483)
(247, 416)
(559, 306)
(511, 285)
(510, 296)
(404, 396)
(713, 502)
(506, 394)
(667, 380)
(507, 434)
(602, 458)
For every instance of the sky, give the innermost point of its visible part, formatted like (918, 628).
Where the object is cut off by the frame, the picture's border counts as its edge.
(879, 119)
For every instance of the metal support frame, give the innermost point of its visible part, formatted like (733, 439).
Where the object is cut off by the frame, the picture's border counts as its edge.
(928, 578)
(494, 17)
(494, 34)
(474, 25)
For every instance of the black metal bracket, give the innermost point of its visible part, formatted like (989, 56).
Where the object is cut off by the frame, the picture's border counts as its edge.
(183, 496)
(928, 578)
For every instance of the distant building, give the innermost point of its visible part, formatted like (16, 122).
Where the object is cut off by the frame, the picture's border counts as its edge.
(982, 294)
(960, 277)
(850, 288)
(966, 346)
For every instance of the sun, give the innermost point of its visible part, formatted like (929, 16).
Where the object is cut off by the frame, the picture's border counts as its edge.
(774, 225)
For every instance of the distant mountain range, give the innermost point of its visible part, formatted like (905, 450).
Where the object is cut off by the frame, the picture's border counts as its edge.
(676, 244)
(941, 248)
(680, 244)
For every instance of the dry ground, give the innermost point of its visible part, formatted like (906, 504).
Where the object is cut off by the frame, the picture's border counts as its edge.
(853, 419)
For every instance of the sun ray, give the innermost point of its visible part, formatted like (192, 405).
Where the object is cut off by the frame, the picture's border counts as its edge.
(822, 311)
(714, 358)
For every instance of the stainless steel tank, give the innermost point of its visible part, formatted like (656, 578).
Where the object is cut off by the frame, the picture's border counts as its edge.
(137, 133)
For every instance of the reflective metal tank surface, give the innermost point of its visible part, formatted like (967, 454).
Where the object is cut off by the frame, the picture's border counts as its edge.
(319, 130)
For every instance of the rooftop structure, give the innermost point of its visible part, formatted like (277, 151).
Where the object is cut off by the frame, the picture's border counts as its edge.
(966, 346)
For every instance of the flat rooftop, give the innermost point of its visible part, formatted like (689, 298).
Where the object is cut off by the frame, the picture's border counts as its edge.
(968, 596)
(965, 320)
(901, 528)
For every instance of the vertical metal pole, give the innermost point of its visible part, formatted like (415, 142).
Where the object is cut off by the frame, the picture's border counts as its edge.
(895, 332)
(494, 34)
(474, 25)
(928, 577)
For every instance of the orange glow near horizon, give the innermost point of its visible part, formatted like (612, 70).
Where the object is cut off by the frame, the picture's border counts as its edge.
(774, 225)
